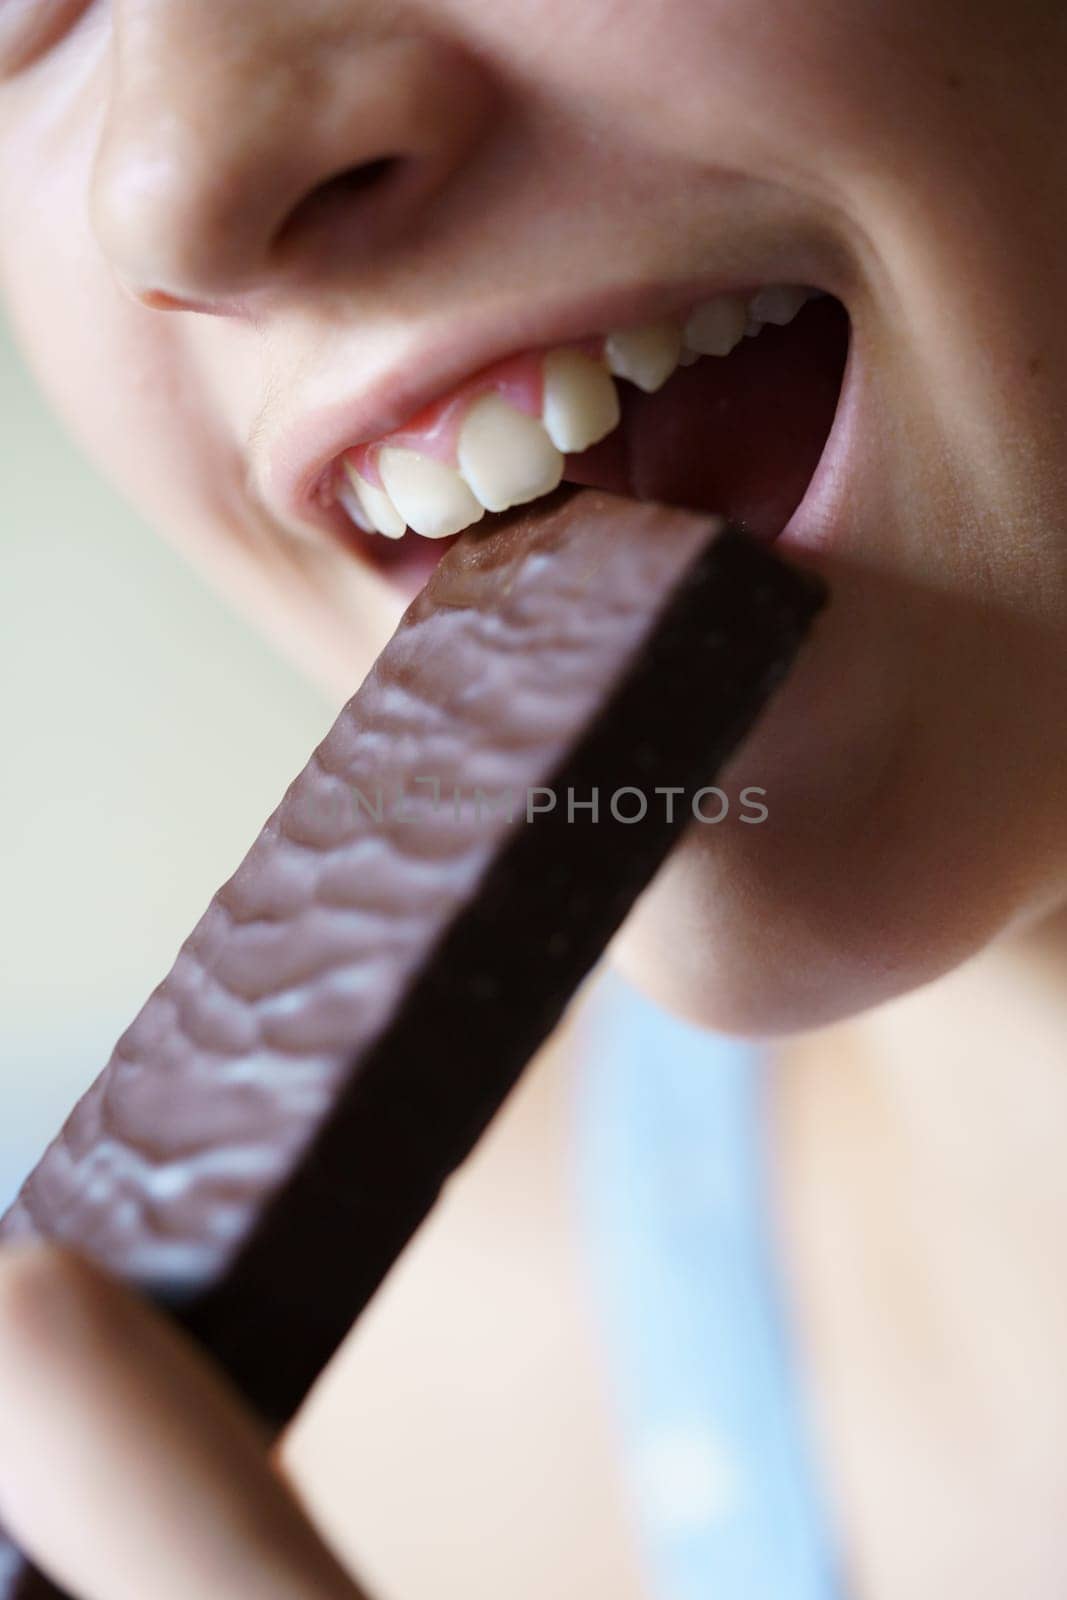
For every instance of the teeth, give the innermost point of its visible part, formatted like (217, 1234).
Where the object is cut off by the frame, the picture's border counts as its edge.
(430, 496)
(349, 498)
(778, 303)
(580, 402)
(647, 356)
(717, 326)
(506, 456)
(370, 509)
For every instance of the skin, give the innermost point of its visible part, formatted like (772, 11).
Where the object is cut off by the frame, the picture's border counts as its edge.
(187, 306)
(204, 1508)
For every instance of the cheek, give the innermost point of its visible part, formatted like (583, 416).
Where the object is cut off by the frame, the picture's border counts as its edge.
(118, 376)
(723, 82)
(834, 97)
(715, 82)
(163, 419)
(72, 321)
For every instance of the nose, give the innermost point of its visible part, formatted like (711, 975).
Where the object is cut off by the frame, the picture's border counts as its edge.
(247, 143)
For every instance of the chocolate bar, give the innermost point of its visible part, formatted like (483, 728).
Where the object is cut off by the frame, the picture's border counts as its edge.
(360, 997)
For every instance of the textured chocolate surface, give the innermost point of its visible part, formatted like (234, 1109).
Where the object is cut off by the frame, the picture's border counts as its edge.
(359, 998)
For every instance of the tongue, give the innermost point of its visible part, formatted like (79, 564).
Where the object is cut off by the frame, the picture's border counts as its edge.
(742, 435)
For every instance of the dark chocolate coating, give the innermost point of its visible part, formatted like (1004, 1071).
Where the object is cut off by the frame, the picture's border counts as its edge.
(360, 997)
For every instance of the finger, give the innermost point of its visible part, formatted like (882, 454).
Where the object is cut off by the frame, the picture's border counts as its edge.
(127, 1466)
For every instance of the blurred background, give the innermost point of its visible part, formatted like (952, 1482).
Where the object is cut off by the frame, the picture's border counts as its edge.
(146, 731)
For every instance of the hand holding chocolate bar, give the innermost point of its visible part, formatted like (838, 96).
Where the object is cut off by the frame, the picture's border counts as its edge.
(108, 1410)
(359, 999)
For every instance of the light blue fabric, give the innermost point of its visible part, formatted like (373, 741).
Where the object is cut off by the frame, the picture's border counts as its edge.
(674, 1194)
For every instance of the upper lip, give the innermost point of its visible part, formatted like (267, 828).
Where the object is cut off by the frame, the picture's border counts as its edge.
(434, 359)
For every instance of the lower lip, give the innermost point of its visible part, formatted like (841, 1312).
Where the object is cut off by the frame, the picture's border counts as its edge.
(815, 523)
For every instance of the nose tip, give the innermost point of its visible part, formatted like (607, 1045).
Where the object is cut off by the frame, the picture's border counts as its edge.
(216, 176)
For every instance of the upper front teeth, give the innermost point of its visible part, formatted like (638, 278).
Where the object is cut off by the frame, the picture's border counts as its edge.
(504, 456)
(370, 507)
(431, 496)
(581, 404)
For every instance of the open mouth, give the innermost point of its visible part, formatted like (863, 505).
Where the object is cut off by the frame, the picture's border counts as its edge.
(727, 409)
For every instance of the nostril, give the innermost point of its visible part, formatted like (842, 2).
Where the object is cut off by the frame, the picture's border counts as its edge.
(335, 196)
(161, 300)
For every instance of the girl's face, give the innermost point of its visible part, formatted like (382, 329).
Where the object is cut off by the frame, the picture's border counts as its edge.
(239, 238)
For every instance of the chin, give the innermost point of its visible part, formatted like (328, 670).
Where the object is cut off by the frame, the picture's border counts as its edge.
(724, 943)
(889, 856)
(794, 931)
